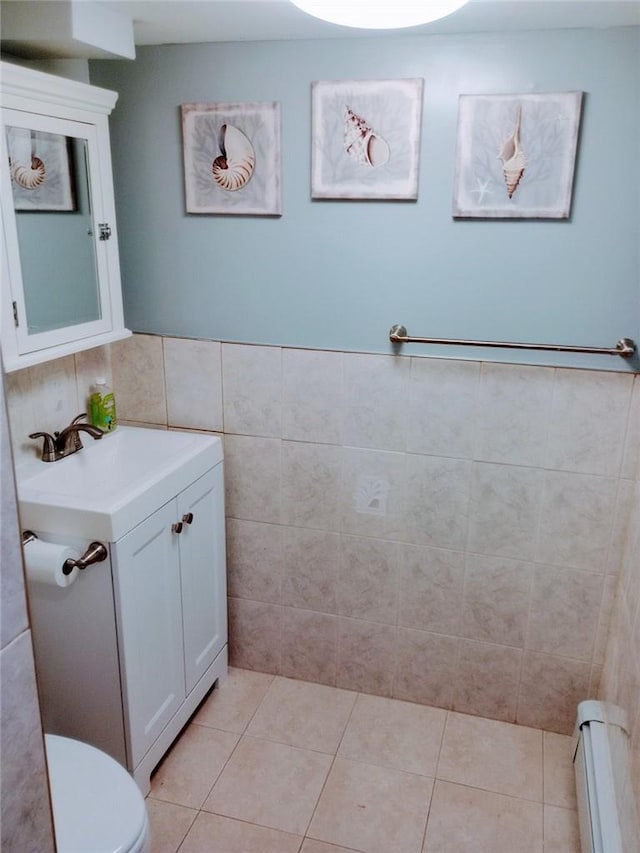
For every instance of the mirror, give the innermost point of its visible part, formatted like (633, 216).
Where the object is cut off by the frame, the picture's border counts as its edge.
(59, 265)
(50, 183)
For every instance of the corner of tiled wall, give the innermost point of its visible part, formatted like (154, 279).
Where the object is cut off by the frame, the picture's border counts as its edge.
(620, 682)
(26, 822)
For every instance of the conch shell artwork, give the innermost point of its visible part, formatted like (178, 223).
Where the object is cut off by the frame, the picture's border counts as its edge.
(233, 169)
(30, 178)
(362, 142)
(513, 157)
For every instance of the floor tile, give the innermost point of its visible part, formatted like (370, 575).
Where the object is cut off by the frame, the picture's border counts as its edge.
(262, 791)
(233, 702)
(492, 755)
(189, 770)
(270, 784)
(372, 809)
(559, 778)
(169, 825)
(394, 734)
(561, 834)
(298, 713)
(214, 834)
(468, 820)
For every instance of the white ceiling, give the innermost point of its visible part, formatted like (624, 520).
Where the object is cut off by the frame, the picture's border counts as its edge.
(184, 21)
(45, 29)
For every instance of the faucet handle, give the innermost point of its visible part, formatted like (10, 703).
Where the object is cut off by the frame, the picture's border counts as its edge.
(48, 446)
(68, 440)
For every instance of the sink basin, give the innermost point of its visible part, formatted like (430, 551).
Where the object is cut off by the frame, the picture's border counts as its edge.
(111, 485)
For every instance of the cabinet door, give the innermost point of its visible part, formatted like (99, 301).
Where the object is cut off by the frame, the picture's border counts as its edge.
(147, 585)
(59, 281)
(203, 572)
(60, 287)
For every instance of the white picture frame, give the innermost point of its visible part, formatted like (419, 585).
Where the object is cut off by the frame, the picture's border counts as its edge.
(366, 139)
(515, 156)
(232, 158)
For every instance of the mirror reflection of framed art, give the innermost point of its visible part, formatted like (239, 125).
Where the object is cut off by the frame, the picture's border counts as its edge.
(41, 170)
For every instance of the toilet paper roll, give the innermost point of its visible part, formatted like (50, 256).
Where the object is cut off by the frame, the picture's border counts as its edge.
(44, 562)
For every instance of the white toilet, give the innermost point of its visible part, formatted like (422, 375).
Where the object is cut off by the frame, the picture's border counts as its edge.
(97, 807)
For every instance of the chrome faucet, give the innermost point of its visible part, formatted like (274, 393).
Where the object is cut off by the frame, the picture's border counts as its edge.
(67, 441)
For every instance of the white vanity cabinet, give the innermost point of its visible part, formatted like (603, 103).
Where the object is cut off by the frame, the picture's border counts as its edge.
(171, 604)
(61, 290)
(126, 653)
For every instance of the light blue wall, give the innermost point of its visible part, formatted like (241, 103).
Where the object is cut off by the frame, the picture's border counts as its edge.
(334, 274)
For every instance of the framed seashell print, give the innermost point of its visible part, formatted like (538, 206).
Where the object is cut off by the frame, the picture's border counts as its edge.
(40, 166)
(366, 139)
(516, 155)
(232, 158)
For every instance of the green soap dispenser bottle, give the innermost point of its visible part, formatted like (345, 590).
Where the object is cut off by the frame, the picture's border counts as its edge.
(102, 406)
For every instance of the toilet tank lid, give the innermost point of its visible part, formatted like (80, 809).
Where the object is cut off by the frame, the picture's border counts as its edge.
(96, 804)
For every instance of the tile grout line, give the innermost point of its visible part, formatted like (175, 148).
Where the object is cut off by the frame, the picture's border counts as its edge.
(543, 772)
(335, 755)
(542, 765)
(184, 837)
(525, 638)
(495, 793)
(442, 738)
(241, 735)
(246, 823)
(435, 779)
(245, 734)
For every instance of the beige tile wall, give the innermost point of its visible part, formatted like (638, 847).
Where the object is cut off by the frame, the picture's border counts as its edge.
(447, 532)
(25, 823)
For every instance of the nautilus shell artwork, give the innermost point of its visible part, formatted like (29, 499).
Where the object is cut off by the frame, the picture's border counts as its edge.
(29, 177)
(362, 142)
(513, 157)
(233, 169)
(232, 158)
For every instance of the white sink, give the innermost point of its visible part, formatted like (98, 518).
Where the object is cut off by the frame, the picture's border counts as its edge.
(111, 485)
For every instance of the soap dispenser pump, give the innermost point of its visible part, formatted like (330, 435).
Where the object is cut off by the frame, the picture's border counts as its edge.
(102, 406)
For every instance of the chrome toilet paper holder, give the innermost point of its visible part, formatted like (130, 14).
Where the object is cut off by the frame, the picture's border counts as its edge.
(95, 553)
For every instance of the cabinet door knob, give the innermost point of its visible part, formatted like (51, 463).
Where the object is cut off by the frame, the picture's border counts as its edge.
(187, 517)
(177, 527)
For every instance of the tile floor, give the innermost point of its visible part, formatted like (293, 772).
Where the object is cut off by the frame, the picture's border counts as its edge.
(272, 765)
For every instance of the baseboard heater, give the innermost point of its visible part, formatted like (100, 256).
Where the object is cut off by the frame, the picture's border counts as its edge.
(600, 761)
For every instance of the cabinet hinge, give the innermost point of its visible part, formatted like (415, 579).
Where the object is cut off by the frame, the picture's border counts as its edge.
(105, 230)
(15, 313)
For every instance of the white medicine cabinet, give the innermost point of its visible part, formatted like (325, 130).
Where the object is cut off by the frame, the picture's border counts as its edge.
(61, 289)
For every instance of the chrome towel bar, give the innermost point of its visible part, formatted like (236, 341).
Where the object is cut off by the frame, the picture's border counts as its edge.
(625, 347)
